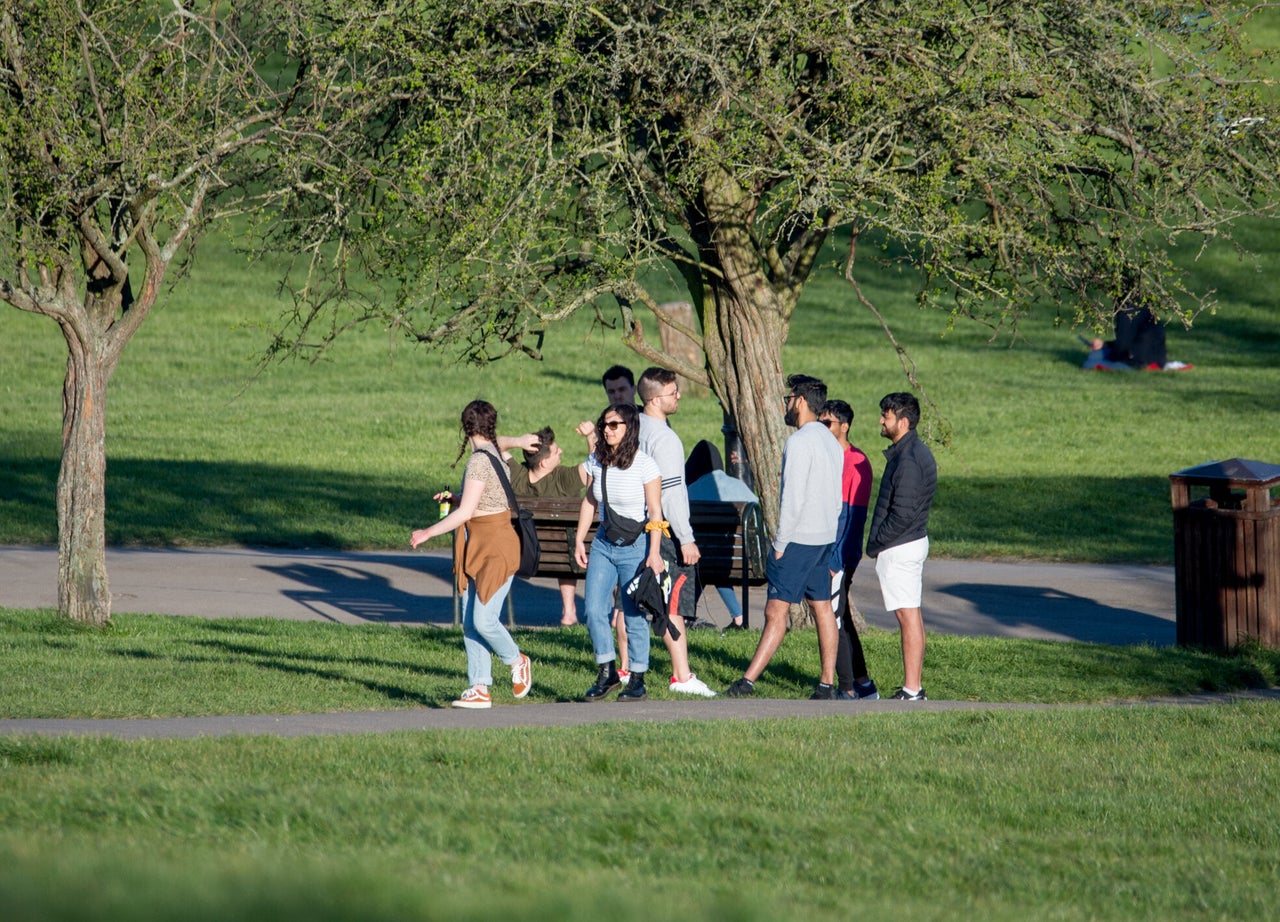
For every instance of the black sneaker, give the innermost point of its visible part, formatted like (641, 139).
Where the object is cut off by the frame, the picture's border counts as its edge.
(606, 681)
(743, 688)
(823, 692)
(845, 694)
(903, 695)
(868, 691)
(735, 626)
(635, 690)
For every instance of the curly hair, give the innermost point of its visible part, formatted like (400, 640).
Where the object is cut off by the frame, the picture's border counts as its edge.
(478, 418)
(624, 453)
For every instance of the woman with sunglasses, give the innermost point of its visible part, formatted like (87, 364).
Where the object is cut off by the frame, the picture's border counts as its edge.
(486, 557)
(624, 488)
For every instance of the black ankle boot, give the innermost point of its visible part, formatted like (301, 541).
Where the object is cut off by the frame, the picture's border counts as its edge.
(635, 689)
(606, 681)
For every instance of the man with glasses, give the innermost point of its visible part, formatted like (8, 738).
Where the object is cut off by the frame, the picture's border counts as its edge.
(660, 395)
(899, 538)
(808, 512)
(855, 494)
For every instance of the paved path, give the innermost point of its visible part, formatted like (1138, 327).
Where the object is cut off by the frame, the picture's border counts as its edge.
(1101, 604)
(540, 715)
(1088, 602)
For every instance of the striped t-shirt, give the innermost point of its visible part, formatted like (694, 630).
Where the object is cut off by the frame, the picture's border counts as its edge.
(626, 486)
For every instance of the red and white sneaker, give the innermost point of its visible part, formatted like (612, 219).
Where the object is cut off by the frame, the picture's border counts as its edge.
(521, 677)
(475, 697)
(691, 686)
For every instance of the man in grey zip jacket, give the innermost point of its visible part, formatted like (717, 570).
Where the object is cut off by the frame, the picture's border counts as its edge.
(899, 538)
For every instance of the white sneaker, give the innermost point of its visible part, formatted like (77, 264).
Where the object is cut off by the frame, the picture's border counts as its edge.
(521, 677)
(691, 686)
(475, 697)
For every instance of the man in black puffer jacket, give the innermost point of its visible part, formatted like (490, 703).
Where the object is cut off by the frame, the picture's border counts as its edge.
(899, 538)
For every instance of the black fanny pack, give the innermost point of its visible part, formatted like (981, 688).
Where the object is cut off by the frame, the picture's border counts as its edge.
(618, 530)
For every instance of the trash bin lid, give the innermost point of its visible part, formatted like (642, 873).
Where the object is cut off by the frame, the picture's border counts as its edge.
(1236, 470)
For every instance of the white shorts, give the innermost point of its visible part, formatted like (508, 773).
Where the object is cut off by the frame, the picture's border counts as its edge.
(901, 573)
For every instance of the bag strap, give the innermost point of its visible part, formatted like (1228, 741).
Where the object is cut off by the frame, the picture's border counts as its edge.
(506, 481)
(604, 488)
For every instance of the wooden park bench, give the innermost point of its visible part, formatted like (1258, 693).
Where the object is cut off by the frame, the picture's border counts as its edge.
(731, 537)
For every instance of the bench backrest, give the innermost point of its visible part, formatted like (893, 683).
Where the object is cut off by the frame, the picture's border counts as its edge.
(730, 536)
(556, 519)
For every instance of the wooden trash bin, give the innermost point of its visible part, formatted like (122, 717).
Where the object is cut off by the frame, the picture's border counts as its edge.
(1226, 553)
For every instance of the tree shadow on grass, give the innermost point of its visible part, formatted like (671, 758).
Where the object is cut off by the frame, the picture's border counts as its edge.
(196, 503)
(329, 669)
(160, 503)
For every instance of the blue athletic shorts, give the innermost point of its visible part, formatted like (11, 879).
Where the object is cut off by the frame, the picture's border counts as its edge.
(800, 573)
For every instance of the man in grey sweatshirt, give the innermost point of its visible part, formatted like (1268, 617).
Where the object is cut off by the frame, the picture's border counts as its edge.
(809, 510)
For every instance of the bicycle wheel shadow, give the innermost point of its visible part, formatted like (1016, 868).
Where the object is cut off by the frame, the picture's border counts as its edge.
(393, 589)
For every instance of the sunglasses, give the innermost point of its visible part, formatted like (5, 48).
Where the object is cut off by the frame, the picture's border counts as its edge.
(614, 424)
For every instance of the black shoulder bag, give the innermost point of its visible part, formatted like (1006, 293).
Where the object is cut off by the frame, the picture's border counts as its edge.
(618, 530)
(522, 520)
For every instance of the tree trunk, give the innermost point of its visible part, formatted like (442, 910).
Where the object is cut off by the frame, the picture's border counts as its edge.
(746, 360)
(83, 591)
(746, 321)
(744, 354)
(744, 327)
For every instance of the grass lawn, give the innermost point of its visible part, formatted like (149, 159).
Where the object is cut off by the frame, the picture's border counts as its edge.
(1089, 813)
(1085, 811)
(1078, 812)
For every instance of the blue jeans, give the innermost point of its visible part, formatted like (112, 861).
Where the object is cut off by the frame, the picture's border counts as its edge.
(482, 631)
(730, 599)
(609, 566)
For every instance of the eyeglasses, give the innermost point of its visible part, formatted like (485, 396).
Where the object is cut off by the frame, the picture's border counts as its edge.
(830, 423)
(614, 424)
(675, 393)
(789, 397)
